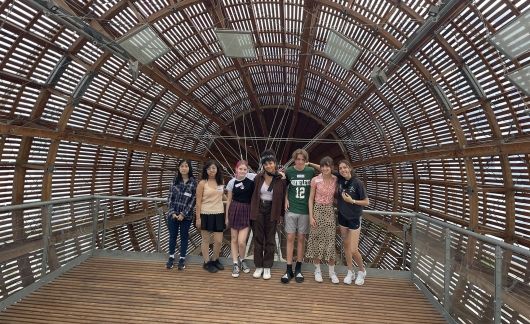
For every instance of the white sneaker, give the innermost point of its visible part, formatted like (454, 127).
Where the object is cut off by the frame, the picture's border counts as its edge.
(349, 277)
(318, 275)
(258, 273)
(360, 278)
(334, 278)
(267, 273)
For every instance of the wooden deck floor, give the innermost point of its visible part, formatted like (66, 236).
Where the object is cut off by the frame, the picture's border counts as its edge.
(112, 290)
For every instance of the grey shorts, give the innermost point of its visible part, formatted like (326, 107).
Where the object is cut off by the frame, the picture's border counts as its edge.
(296, 223)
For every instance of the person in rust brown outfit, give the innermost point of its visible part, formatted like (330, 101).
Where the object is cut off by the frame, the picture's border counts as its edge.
(266, 210)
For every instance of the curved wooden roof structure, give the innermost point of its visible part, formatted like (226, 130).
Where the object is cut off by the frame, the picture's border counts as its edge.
(74, 122)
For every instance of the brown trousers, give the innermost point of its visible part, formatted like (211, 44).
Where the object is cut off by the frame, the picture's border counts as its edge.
(264, 237)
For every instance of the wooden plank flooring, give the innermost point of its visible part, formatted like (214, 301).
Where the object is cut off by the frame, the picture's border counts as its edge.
(114, 290)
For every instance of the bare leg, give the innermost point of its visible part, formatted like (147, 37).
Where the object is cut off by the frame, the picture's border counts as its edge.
(205, 245)
(290, 247)
(347, 242)
(300, 248)
(355, 248)
(234, 237)
(217, 240)
(242, 241)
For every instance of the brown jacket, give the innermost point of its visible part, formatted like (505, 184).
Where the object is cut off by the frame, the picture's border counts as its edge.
(278, 198)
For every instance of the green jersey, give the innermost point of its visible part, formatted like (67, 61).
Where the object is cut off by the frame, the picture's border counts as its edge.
(299, 188)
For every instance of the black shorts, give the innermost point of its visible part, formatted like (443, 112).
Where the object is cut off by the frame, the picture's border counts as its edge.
(213, 222)
(351, 222)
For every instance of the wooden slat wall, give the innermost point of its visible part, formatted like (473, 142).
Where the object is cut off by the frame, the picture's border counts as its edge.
(195, 90)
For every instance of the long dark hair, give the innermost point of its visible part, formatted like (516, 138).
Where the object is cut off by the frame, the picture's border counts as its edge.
(327, 161)
(352, 171)
(218, 175)
(178, 177)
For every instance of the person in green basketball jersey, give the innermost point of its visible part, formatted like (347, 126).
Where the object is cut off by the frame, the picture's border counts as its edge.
(297, 217)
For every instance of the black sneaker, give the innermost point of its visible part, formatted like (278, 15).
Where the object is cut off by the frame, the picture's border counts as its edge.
(170, 263)
(218, 265)
(287, 277)
(208, 266)
(182, 264)
(298, 276)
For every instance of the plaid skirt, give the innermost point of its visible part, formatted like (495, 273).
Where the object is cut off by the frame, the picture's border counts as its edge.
(238, 215)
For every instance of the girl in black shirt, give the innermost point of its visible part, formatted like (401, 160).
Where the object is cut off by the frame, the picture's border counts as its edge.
(350, 202)
(239, 192)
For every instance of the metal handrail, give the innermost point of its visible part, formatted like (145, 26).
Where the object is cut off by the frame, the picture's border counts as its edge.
(457, 229)
(454, 228)
(96, 200)
(412, 226)
(62, 201)
(448, 230)
(45, 203)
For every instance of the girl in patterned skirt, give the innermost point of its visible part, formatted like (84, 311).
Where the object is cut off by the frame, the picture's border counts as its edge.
(321, 245)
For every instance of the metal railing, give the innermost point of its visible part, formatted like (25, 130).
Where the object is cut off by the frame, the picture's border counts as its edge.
(451, 240)
(47, 208)
(432, 243)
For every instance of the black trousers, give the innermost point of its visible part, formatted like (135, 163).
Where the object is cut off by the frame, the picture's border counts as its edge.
(264, 237)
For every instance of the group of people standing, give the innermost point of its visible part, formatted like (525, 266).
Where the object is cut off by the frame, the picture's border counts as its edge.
(301, 198)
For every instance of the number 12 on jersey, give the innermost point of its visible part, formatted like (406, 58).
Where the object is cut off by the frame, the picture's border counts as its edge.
(300, 192)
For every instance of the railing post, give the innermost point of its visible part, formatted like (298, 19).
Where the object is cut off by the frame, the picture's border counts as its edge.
(498, 284)
(447, 268)
(160, 215)
(46, 232)
(413, 247)
(104, 235)
(278, 247)
(406, 228)
(95, 223)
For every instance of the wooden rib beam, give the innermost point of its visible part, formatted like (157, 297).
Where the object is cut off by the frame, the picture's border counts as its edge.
(519, 145)
(88, 137)
(311, 14)
(25, 148)
(220, 20)
(429, 34)
(361, 19)
(472, 190)
(461, 141)
(155, 73)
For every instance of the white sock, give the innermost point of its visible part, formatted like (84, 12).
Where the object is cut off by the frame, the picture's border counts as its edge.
(317, 267)
(172, 256)
(350, 271)
(331, 269)
(183, 258)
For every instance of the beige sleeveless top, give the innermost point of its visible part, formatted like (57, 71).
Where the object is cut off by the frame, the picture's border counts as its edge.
(212, 200)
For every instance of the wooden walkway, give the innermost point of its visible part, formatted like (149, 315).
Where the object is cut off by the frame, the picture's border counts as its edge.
(116, 290)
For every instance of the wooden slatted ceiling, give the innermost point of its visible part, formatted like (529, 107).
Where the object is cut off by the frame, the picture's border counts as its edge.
(114, 283)
(135, 111)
